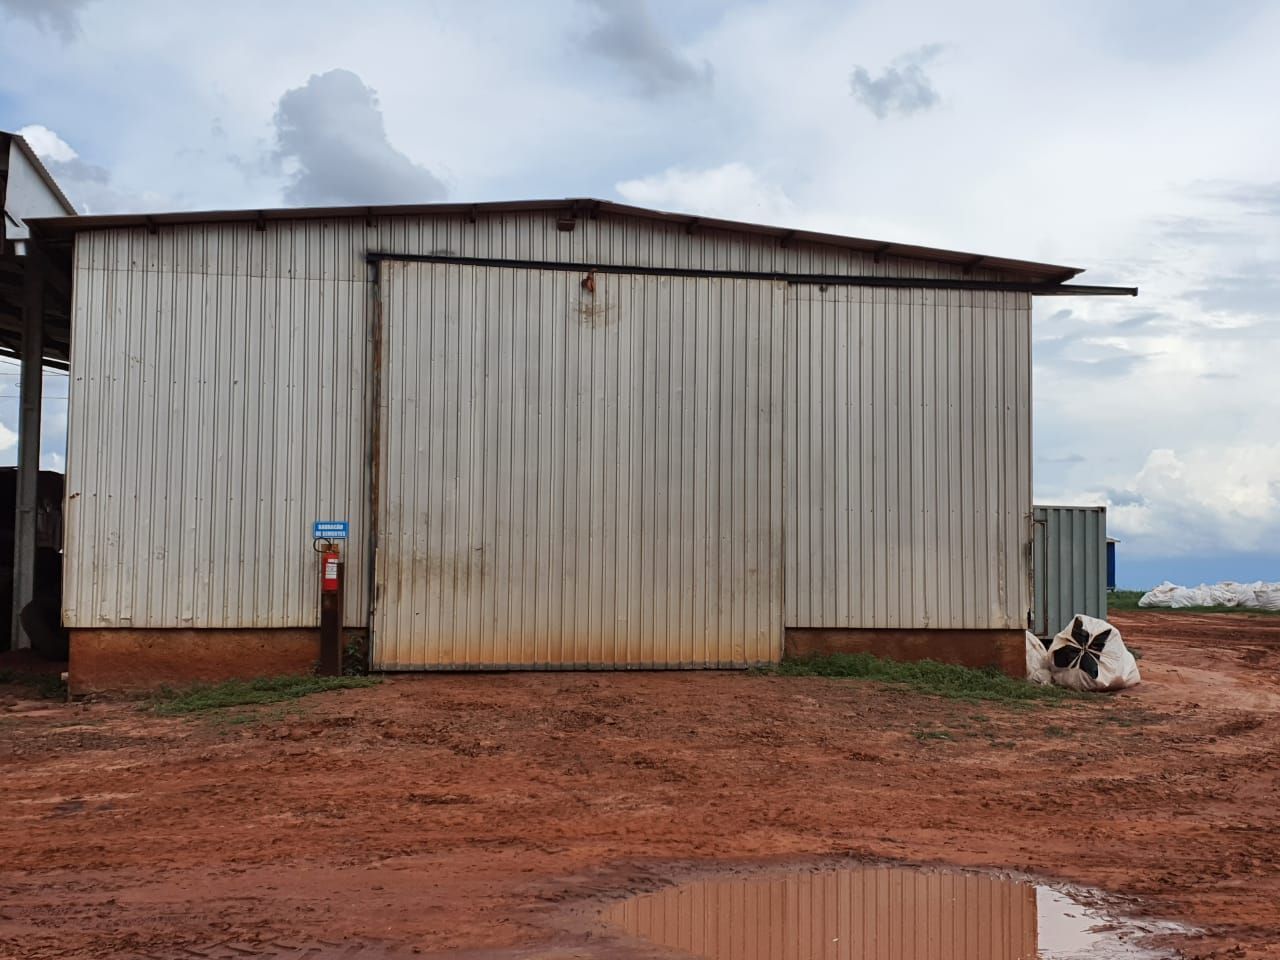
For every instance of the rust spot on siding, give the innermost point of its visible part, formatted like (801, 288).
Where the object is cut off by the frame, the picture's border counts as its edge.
(465, 570)
(596, 310)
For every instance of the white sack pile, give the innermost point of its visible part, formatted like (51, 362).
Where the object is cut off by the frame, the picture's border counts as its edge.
(1090, 655)
(1258, 595)
(1038, 660)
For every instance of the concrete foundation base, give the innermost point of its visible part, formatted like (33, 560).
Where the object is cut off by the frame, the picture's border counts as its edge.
(1003, 649)
(122, 661)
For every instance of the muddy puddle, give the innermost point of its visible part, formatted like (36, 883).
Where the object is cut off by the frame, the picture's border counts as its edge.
(869, 913)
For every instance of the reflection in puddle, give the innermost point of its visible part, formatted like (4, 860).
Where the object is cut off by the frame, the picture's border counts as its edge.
(868, 913)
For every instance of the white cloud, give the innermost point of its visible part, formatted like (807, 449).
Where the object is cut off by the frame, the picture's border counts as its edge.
(331, 132)
(902, 88)
(628, 35)
(60, 16)
(1203, 500)
(88, 185)
(733, 191)
(47, 144)
(8, 439)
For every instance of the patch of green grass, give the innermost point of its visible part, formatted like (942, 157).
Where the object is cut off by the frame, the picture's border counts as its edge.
(1054, 731)
(235, 693)
(1124, 600)
(1128, 600)
(924, 676)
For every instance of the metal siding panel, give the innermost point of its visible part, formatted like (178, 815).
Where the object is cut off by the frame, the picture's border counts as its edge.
(615, 501)
(908, 432)
(841, 583)
(191, 374)
(1054, 569)
(877, 568)
(1070, 565)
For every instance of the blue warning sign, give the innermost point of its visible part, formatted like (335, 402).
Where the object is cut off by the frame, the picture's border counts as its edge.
(330, 530)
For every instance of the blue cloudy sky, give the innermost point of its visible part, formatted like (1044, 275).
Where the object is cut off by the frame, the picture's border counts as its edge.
(1137, 139)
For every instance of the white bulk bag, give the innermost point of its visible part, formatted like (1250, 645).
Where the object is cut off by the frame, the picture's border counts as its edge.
(1171, 595)
(1267, 597)
(1038, 660)
(1258, 595)
(1090, 655)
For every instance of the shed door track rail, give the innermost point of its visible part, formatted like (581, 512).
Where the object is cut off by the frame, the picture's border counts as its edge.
(810, 279)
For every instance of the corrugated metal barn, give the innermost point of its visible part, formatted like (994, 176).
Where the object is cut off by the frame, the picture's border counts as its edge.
(566, 434)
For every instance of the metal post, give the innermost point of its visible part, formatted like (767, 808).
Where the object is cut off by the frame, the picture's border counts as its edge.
(31, 394)
(331, 628)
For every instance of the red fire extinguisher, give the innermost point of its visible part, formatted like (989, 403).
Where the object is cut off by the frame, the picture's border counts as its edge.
(329, 562)
(330, 606)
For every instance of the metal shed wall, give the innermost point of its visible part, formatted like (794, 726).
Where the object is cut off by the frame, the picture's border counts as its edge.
(574, 477)
(219, 404)
(1069, 555)
(908, 439)
(220, 395)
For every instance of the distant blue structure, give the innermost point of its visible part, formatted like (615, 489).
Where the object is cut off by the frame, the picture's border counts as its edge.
(1111, 562)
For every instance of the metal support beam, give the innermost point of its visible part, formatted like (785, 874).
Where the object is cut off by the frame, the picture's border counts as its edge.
(1036, 288)
(331, 627)
(31, 394)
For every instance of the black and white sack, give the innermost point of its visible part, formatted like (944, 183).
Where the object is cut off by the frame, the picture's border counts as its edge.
(1090, 655)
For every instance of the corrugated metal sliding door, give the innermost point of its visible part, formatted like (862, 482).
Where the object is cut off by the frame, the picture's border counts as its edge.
(908, 458)
(576, 477)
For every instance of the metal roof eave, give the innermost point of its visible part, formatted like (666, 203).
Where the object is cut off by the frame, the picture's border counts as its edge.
(43, 173)
(52, 227)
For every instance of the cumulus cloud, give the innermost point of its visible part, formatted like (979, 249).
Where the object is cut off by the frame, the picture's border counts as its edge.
(60, 16)
(331, 138)
(87, 185)
(48, 145)
(1201, 500)
(902, 88)
(733, 191)
(1077, 349)
(627, 35)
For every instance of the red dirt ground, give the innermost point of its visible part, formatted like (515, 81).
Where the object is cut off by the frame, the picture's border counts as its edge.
(497, 811)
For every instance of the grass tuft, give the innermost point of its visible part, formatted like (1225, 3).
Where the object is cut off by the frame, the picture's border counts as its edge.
(235, 693)
(924, 676)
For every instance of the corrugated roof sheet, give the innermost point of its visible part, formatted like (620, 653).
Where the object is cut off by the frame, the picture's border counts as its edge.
(576, 207)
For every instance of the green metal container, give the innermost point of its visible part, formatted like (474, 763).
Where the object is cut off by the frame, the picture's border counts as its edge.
(1069, 566)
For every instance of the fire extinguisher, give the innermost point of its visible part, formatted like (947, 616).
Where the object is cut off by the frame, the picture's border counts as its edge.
(330, 607)
(330, 560)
